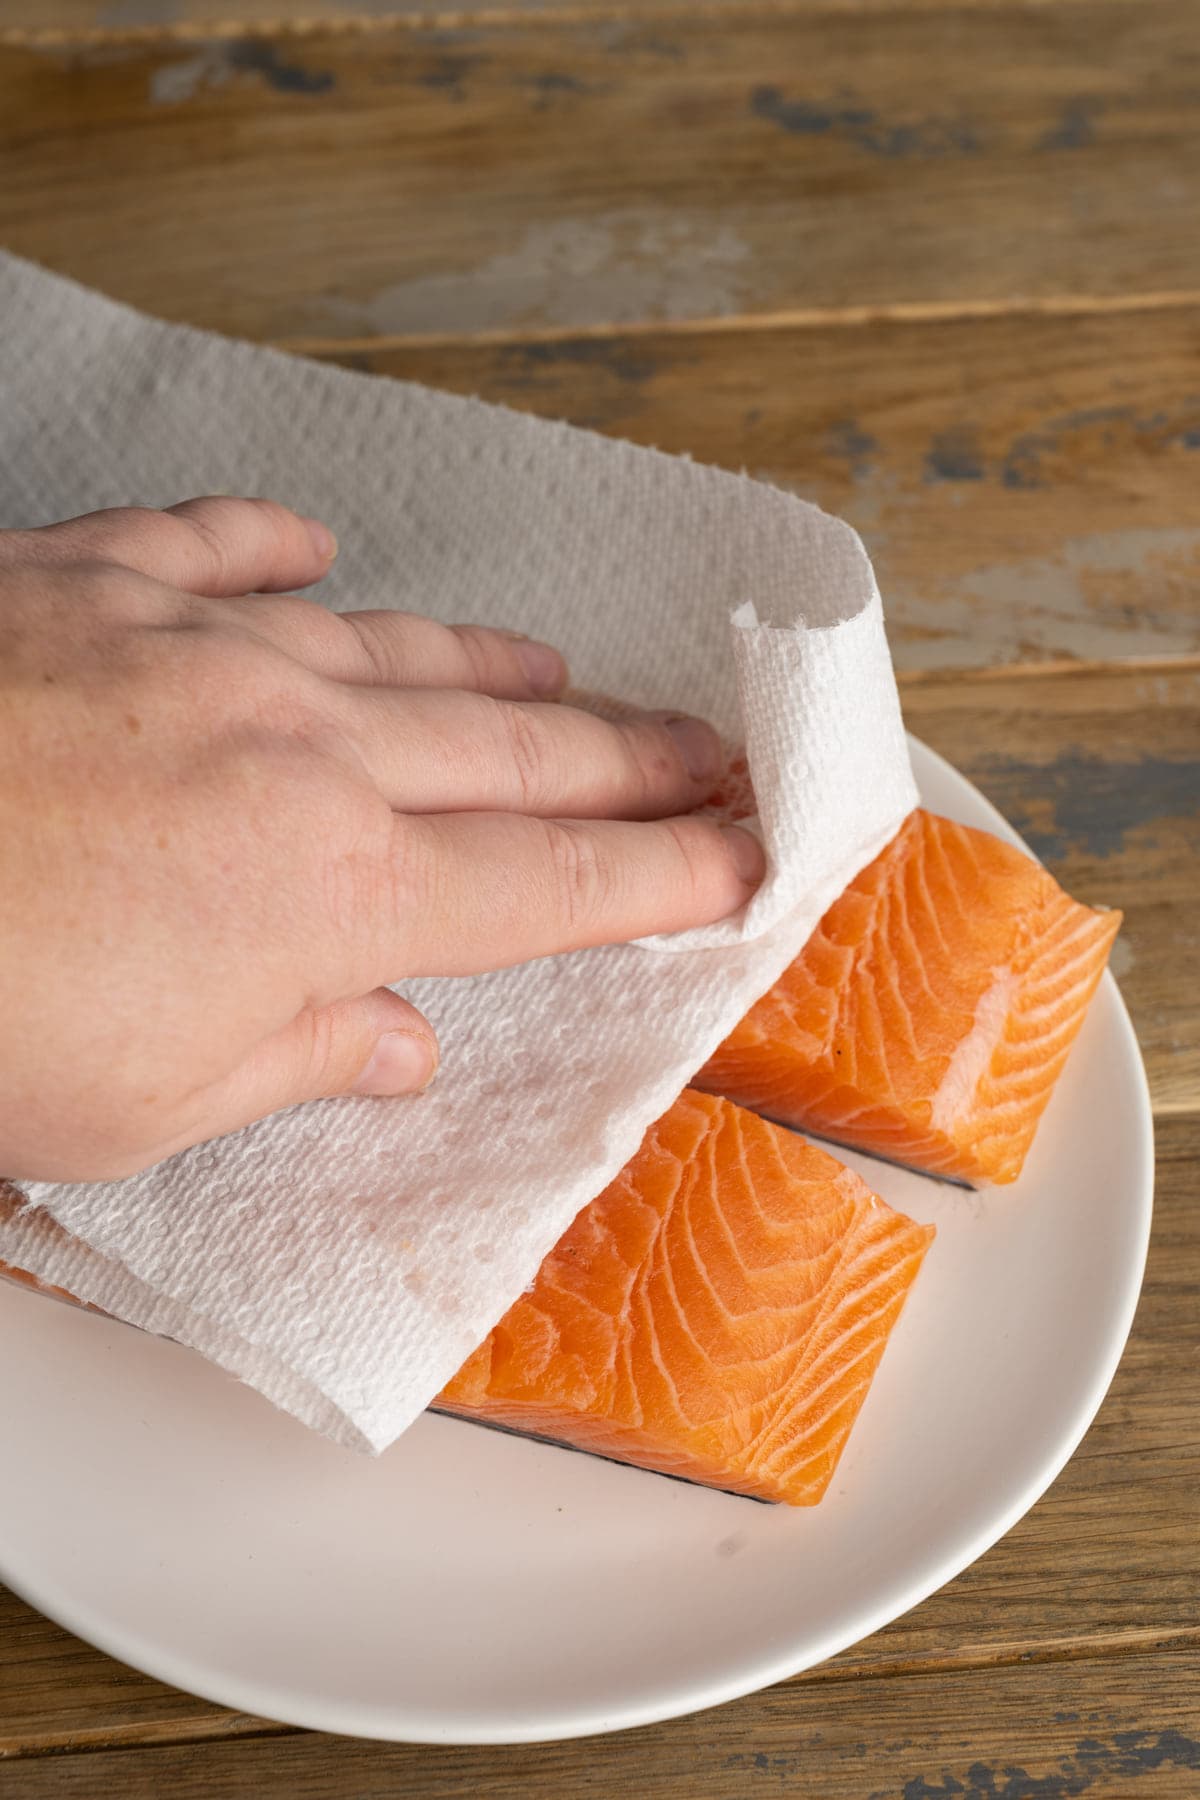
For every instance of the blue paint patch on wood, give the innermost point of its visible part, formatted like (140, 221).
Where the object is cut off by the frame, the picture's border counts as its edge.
(1075, 129)
(782, 1766)
(1093, 804)
(448, 74)
(259, 57)
(1021, 466)
(553, 82)
(847, 439)
(1127, 1755)
(1018, 473)
(954, 455)
(863, 127)
(552, 86)
(616, 356)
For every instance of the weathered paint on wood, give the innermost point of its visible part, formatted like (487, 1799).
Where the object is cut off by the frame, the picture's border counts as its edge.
(948, 248)
(535, 172)
(111, 19)
(1044, 1732)
(1028, 486)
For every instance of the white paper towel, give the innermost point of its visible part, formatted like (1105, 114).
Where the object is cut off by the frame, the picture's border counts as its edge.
(346, 1256)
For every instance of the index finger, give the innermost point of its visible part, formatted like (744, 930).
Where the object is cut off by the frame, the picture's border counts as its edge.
(478, 891)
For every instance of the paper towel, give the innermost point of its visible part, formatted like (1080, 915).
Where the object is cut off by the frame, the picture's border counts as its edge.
(346, 1256)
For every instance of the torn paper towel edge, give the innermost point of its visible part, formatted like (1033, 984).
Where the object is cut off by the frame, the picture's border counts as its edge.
(325, 1363)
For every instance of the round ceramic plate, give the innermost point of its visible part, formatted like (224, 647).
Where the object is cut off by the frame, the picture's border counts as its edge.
(469, 1587)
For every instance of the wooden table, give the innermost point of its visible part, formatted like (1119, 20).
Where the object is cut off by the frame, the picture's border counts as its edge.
(936, 264)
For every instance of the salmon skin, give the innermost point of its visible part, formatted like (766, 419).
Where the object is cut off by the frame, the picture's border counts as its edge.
(716, 1314)
(930, 1014)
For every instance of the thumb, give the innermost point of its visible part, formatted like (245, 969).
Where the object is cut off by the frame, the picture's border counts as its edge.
(376, 1044)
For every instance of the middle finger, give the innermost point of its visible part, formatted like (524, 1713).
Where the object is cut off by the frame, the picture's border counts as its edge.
(448, 751)
(395, 649)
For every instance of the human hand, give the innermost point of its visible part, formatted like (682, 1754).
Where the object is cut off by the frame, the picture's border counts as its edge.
(228, 816)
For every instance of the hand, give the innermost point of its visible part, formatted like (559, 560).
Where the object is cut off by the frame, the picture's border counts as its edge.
(229, 815)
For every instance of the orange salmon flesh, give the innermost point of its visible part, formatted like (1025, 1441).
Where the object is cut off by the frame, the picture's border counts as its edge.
(717, 1313)
(930, 1014)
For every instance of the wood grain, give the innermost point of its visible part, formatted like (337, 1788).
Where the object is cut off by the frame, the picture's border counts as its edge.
(1026, 485)
(112, 19)
(547, 171)
(1058, 1589)
(935, 265)
(1104, 1730)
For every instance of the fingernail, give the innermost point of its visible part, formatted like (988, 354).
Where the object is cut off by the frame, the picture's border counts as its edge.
(400, 1063)
(323, 540)
(544, 668)
(699, 746)
(746, 854)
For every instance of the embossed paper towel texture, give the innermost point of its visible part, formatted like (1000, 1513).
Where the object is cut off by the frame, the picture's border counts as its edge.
(346, 1256)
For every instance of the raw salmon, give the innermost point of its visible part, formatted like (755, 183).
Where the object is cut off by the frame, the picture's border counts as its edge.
(717, 1313)
(931, 1012)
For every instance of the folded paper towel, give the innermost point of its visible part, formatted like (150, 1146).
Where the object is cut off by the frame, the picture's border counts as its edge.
(345, 1257)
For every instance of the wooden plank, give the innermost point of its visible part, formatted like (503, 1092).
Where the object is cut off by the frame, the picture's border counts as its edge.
(1026, 484)
(57, 1691)
(112, 18)
(1052, 1730)
(1057, 1588)
(561, 171)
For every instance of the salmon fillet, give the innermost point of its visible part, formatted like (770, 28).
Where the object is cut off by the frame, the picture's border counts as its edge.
(930, 1014)
(717, 1313)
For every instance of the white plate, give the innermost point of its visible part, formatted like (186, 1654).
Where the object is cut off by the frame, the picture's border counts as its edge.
(474, 1588)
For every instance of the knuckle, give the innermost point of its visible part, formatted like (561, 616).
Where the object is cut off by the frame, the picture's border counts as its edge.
(583, 879)
(477, 652)
(238, 676)
(651, 766)
(375, 638)
(202, 527)
(227, 676)
(370, 881)
(357, 872)
(411, 868)
(694, 842)
(116, 595)
(529, 747)
(131, 534)
(319, 1053)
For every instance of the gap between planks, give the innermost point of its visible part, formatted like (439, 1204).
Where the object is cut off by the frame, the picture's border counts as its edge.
(239, 1727)
(1173, 1109)
(435, 18)
(1057, 669)
(799, 318)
